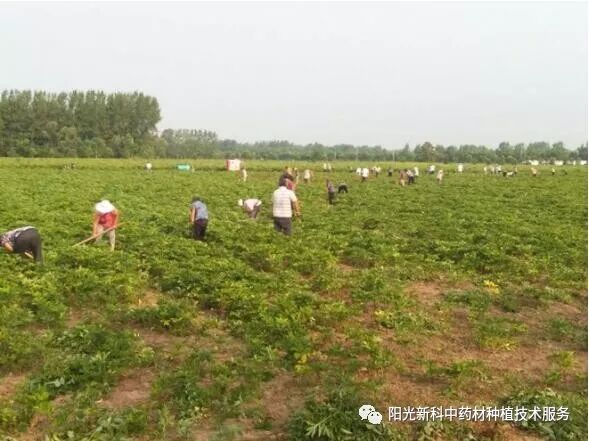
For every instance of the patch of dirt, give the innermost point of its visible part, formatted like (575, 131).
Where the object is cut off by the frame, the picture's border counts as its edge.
(281, 397)
(132, 389)
(36, 429)
(74, 318)
(150, 299)
(10, 383)
(431, 293)
(345, 268)
(507, 432)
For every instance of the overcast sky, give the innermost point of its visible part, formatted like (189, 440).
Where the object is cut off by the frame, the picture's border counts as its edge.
(379, 73)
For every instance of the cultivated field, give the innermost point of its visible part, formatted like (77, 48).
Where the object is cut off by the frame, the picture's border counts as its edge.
(469, 293)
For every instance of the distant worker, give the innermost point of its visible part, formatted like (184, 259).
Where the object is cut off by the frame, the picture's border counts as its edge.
(307, 176)
(330, 192)
(288, 177)
(402, 177)
(148, 166)
(553, 171)
(460, 168)
(485, 169)
(329, 166)
(296, 175)
(244, 174)
(415, 173)
(410, 177)
(365, 173)
(440, 176)
(251, 207)
(106, 220)
(342, 188)
(534, 172)
(24, 240)
(284, 202)
(199, 218)
(389, 172)
(431, 169)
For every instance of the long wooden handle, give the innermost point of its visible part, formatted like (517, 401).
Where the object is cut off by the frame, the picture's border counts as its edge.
(95, 236)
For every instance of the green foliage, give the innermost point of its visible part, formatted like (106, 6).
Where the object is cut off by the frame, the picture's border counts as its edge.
(574, 428)
(337, 419)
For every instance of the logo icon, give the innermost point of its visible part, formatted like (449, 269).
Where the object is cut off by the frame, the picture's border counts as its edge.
(369, 412)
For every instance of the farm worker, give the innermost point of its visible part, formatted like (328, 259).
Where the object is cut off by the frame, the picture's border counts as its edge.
(359, 171)
(307, 176)
(199, 218)
(534, 172)
(498, 170)
(244, 174)
(288, 177)
(431, 169)
(251, 206)
(485, 169)
(553, 171)
(148, 166)
(342, 188)
(284, 202)
(329, 166)
(324, 166)
(365, 173)
(330, 192)
(440, 176)
(106, 217)
(24, 240)
(460, 168)
(389, 172)
(296, 175)
(410, 177)
(402, 177)
(415, 173)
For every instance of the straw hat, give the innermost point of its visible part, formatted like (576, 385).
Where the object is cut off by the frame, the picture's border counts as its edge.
(104, 207)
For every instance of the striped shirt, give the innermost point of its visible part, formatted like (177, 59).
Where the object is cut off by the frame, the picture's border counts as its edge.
(282, 200)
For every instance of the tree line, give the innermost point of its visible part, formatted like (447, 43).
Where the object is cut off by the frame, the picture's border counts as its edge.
(123, 125)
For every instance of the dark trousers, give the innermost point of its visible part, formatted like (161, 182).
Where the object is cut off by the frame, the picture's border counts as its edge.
(29, 241)
(200, 228)
(330, 197)
(342, 188)
(283, 225)
(254, 213)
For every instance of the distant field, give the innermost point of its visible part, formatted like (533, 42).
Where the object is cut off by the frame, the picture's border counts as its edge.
(469, 293)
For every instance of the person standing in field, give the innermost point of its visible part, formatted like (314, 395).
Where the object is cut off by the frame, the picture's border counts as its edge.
(440, 176)
(390, 172)
(365, 173)
(244, 174)
(199, 218)
(410, 177)
(415, 173)
(330, 192)
(307, 176)
(106, 220)
(251, 207)
(284, 202)
(534, 172)
(288, 178)
(402, 177)
(24, 240)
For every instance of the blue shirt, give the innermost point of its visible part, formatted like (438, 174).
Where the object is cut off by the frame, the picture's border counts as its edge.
(201, 210)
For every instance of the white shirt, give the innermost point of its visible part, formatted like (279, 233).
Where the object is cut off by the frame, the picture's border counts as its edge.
(307, 174)
(250, 204)
(365, 172)
(416, 171)
(282, 200)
